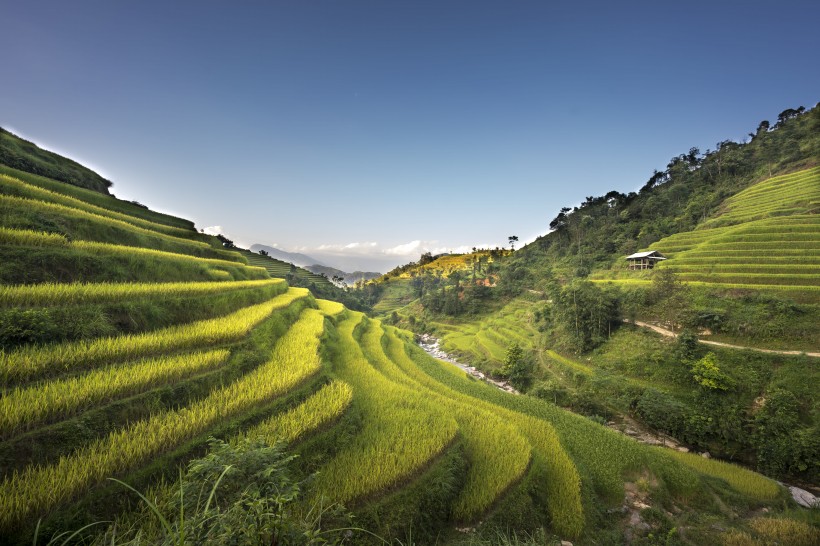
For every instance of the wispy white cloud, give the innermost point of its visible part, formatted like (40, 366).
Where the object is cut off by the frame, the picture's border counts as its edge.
(213, 230)
(349, 248)
(413, 247)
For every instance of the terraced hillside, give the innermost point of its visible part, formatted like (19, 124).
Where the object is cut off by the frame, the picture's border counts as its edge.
(129, 339)
(767, 236)
(484, 341)
(280, 269)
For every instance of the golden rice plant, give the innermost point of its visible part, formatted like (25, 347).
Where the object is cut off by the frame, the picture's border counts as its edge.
(12, 202)
(128, 251)
(745, 481)
(46, 294)
(498, 452)
(330, 308)
(30, 362)
(27, 407)
(785, 531)
(319, 409)
(37, 489)
(564, 484)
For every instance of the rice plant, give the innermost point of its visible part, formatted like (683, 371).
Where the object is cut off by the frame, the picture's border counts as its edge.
(47, 294)
(403, 431)
(37, 489)
(564, 484)
(318, 410)
(28, 237)
(27, 407)
(30, 362)
(14, 186)
(745, 481)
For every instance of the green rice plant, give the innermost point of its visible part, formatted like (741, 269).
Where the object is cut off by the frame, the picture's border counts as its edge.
(603, 455)
(564, 483)
(28, 237)
(752, 484)
(317, 411)
(23, 213)
(16, 187)
(48, 294)
(787, 193)
(81, 261)
(39, 488)
(744, 268)
(402, 432)
(498, 452)
(108, 202)
(31, 362)
(24, 408)
(790, 279)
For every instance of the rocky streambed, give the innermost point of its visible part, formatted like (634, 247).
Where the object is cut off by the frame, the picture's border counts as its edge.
(432, 346)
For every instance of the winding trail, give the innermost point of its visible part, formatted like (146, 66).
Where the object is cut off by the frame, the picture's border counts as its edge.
(670, 333)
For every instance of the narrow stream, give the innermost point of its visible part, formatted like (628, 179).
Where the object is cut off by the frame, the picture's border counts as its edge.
(431, 346)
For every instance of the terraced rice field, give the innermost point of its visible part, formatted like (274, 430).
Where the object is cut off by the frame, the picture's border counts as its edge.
(133, 406)
(765, 237)
(485, 341)
(280, 269)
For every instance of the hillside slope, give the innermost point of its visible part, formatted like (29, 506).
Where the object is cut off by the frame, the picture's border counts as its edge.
(110, 369)
(740, 229)
(26, 156)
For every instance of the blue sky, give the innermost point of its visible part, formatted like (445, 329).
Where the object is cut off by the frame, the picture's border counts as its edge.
(364, 133)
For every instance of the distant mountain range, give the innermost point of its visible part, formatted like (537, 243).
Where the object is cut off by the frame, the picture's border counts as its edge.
(350, 278)
(315, 266)
(297, 259)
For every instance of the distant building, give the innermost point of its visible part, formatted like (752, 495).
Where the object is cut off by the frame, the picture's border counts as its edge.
(645, 260)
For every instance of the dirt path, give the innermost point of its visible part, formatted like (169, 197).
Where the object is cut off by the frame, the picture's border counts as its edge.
(670, 333)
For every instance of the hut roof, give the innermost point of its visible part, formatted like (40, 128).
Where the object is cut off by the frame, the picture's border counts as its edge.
(654, 254)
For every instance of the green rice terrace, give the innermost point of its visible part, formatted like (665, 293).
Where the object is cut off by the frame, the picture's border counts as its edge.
(764, 237)
(130, 341)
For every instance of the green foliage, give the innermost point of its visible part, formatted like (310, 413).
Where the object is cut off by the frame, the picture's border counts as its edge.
(783, 445)
(584, 315)
(706, 373)
(243, 494)
(518, 368)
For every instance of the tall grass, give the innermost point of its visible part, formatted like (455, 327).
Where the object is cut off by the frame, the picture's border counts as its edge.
(31, 362)
(38, 489)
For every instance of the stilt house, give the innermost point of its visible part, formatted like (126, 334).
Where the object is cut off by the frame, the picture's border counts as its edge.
(645, 260)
